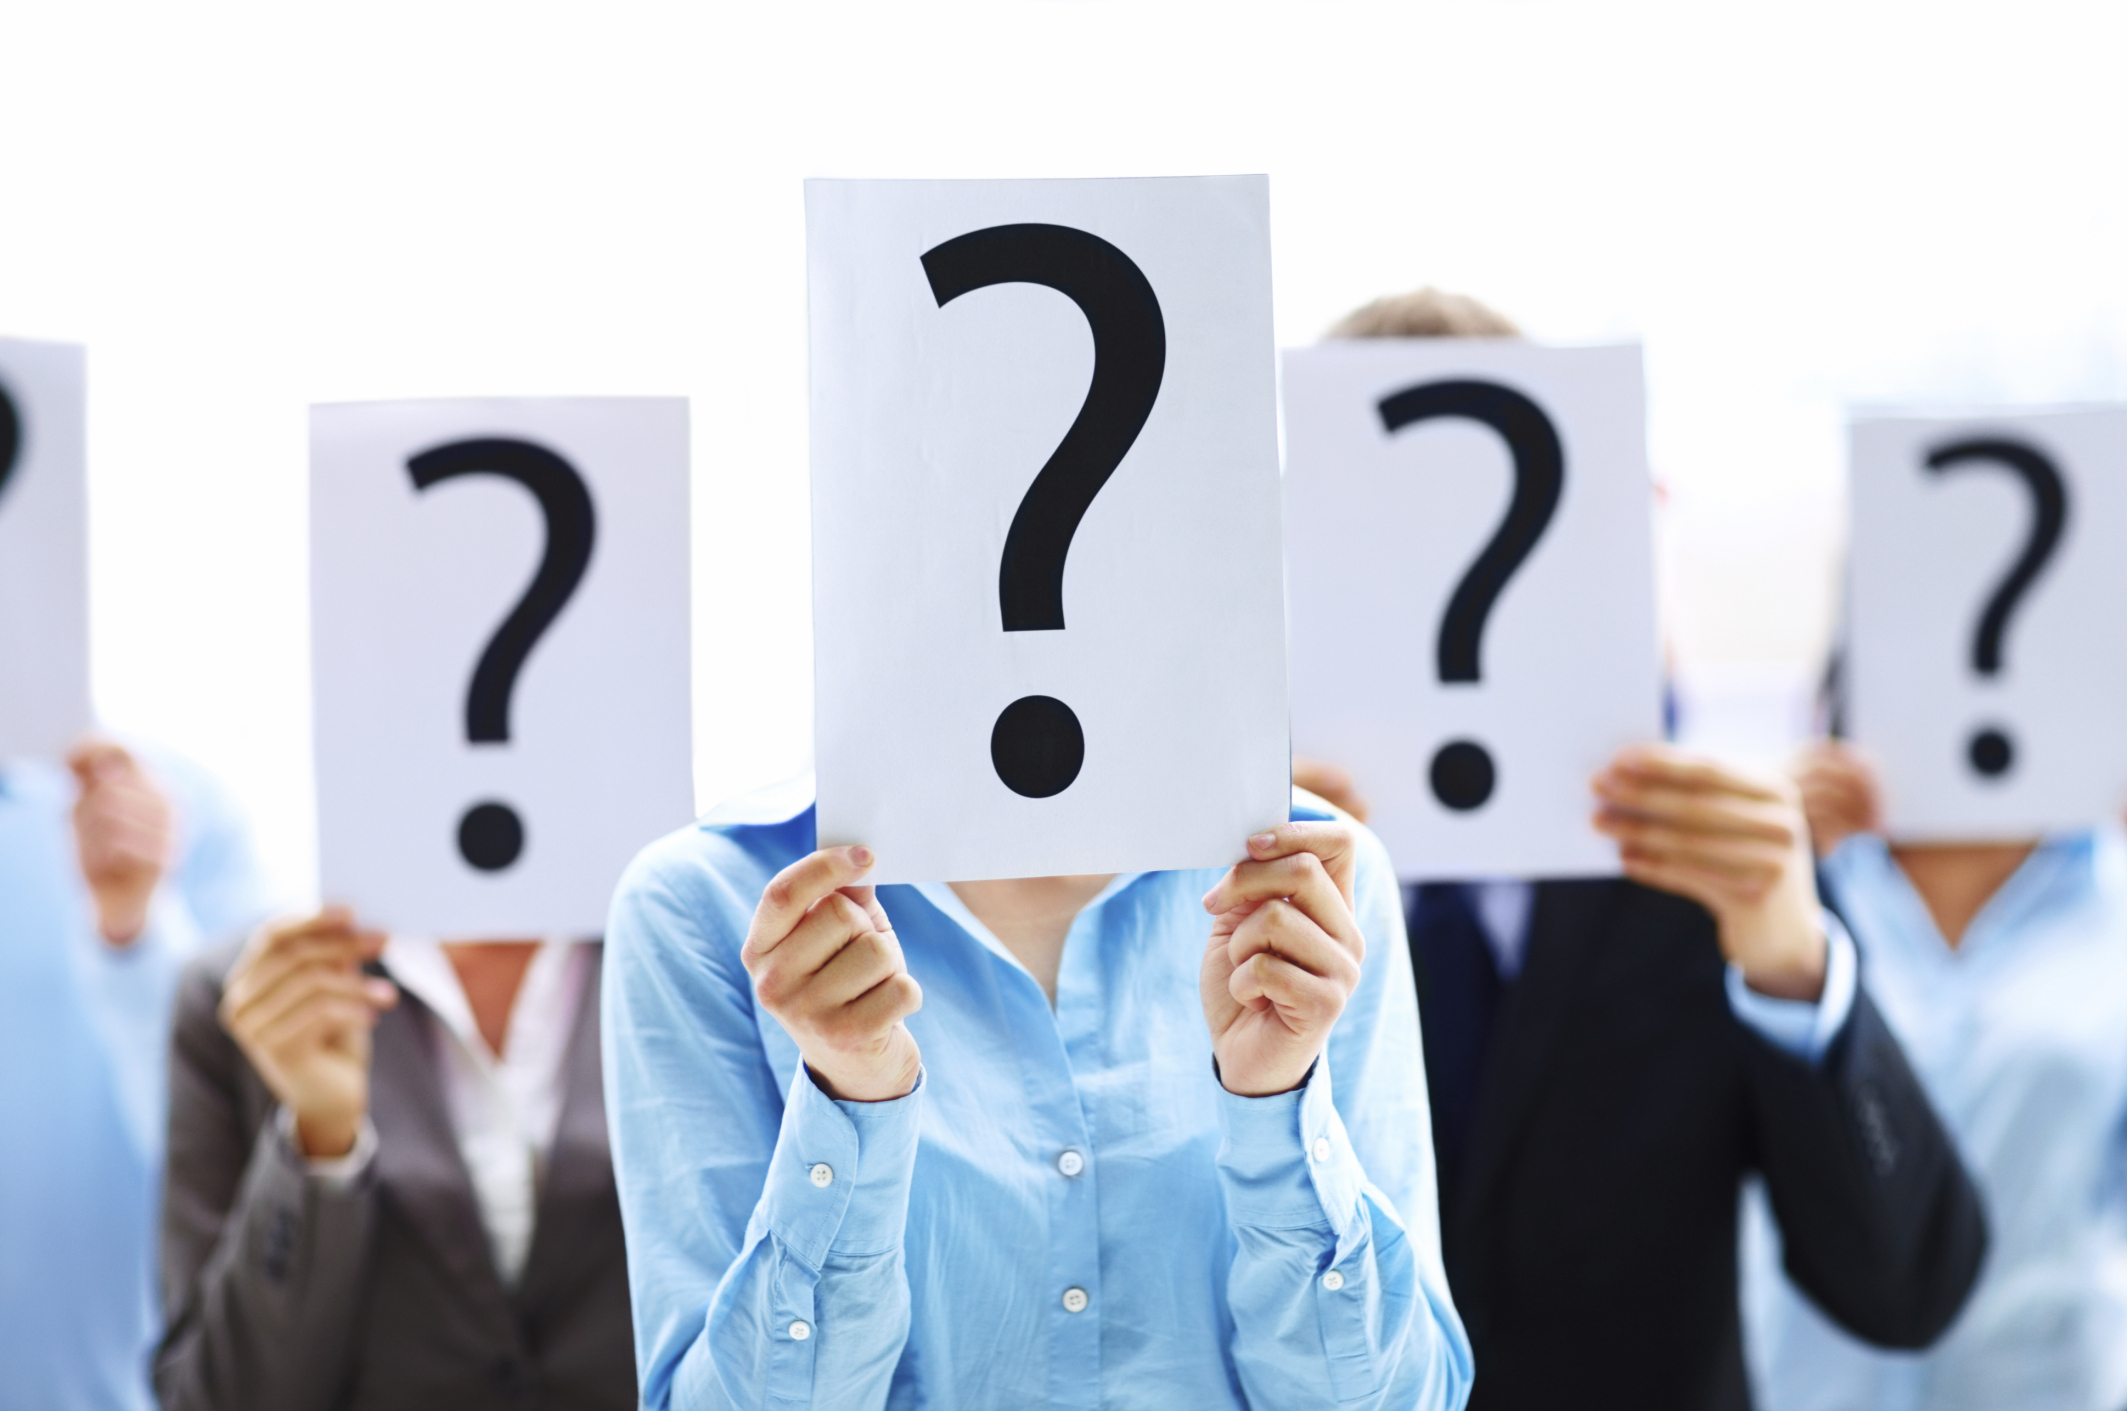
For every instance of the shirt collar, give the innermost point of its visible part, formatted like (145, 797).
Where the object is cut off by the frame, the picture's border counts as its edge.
(2062, 867)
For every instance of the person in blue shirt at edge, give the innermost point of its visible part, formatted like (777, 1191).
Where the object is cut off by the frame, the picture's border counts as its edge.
(2002, 967)
(113, 871)
(1610, 1058)
(1149, 1140)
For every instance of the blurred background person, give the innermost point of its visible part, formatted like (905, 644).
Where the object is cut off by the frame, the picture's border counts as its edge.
(389, 1184)
(2002, 967)
(1610, 1058)
(112, 874)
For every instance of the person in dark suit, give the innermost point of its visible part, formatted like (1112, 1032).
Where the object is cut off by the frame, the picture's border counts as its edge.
(388, 1181)
(1609, 1059)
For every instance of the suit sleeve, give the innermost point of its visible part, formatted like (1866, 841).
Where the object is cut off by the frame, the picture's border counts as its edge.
(264, 1265)
(764, 1228)
(1881, 1225)
(1337, 1289)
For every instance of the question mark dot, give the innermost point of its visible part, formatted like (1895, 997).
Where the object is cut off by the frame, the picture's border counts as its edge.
(1991, 753)
(490, 836)
(1037, 746)
(1463, 775)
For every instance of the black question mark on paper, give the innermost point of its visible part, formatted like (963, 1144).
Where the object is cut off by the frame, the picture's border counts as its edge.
(1037, 745)
(1462, 772)
(10, 437)
(491, 835)
(1990, 750)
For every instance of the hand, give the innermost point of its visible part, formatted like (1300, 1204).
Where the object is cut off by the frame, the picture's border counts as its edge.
(1840, 793)
(1283, 958)
(124, 834)
(826, 963)
(1331, 782)
(300, 1008)
(1733, 842)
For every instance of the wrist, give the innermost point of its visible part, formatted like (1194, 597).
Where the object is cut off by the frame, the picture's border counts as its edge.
(1794, 971)
(326, 1137)
(876, 1084)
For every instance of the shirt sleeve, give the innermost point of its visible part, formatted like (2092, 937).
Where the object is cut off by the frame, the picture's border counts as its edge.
(1337, 1287)
(1804, 1028)
(764, 1225)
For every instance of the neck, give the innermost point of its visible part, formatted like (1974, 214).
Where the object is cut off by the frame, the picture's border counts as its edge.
(491, 973)
(1955, 880)
(1031, 916)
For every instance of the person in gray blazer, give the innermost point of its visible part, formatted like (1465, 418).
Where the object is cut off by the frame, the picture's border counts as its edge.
(388, 1180)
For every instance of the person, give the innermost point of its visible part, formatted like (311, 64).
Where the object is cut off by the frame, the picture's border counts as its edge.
(1149, 1140)
(1610, 1058)
(388, 1182)
(2002, 967)
(113, 870)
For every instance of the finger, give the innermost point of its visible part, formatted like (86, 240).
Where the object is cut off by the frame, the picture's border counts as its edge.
(1711, 889)
(794, 891)
(1742, 867)
(858, 968)
(1334, 844)
(96, 758)
(313, 1025)
(1667, 766)
(298, 992)
(273, 955)
(883, 1006)
(1722, 816)
(1301, 877)
(1299, 997)
(784, 973)
(1279, 928)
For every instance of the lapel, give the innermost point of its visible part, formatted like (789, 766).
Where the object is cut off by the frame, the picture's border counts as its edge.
(1564, 927)
(579, 1165)
(419, 1170)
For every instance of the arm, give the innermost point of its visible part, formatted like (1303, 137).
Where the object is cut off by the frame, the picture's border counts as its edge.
(261, 1263)
(764, 1234)
(1336, 1284)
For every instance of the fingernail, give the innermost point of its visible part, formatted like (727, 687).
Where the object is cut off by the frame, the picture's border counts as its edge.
(860, 855)
(1263, 840)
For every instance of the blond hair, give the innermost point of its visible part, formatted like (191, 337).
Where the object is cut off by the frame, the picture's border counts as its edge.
(1424, 313)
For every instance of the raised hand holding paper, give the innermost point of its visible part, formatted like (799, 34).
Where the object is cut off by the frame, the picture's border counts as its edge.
(44, 549)
(1048, 629)
(1472, 646)
(499, 600)
(1987, 663)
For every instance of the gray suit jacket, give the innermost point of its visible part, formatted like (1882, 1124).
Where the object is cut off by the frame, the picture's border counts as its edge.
(285, 1294)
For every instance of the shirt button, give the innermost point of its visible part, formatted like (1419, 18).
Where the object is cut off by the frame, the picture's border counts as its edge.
(1321, 1149)
(1070, 1163)
(823, 1175)
(1075, 1300)
(800, 1330)
(1333, 1281)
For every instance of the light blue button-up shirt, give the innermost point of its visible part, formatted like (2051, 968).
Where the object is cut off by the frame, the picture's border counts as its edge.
(1069, 1211)
(2019, 1036)
(84, 1034)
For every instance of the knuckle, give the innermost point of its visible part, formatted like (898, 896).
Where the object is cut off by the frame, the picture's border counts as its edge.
(777, 896)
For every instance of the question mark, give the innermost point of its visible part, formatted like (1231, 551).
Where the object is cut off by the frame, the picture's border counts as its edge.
(1037, 745)
(10, 437)
(1462, 772)
(1990, 749)
(491, 835)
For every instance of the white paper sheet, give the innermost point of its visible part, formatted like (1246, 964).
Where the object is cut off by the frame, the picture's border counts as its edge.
(2038, 739)
(409, 587)
(1486, 776)
(44, 549)
(933, 409)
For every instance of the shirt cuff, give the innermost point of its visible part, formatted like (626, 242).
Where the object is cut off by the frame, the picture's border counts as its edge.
(1286, 1161)
(1803, 1028)
(337, 1173)
(840, 1176)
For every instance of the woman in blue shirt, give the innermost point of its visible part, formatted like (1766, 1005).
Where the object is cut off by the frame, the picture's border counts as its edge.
(1151, 1140)
(2002, 967)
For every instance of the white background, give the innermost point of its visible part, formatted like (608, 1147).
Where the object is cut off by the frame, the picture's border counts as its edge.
(930, 423)
(1381, 528)
(246, 208)
(1930, 547)
(409, 588)
(44, 570)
